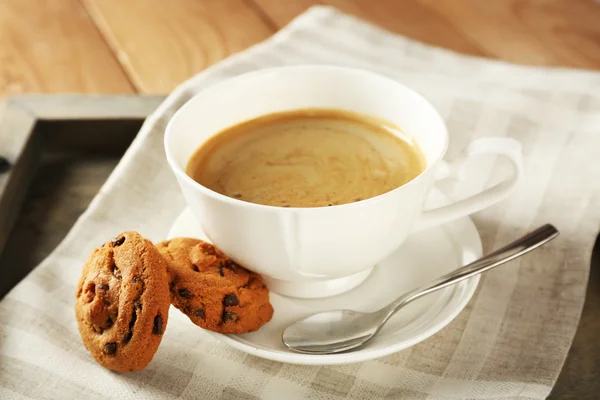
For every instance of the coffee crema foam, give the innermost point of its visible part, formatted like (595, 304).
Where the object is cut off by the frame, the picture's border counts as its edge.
(307, 158)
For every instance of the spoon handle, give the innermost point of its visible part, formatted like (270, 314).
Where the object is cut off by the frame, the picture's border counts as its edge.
(507, 253)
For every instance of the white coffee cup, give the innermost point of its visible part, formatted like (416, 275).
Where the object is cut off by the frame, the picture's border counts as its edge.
(317, 252)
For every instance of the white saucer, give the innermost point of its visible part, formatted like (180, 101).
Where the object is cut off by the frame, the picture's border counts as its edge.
(424, 256)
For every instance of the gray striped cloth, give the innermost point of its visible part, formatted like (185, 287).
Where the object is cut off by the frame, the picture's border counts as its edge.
(509, 343)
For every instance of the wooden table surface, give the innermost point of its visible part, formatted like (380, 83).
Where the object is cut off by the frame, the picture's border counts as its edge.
(149, 46)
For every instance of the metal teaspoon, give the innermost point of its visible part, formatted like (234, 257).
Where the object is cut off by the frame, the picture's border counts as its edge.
(336, 331)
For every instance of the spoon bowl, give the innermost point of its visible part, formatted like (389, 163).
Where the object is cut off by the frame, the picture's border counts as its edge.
(338, 330)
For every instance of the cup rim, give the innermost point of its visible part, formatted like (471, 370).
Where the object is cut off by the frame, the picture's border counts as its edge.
(181, 174)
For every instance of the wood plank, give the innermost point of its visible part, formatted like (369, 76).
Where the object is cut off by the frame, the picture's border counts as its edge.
(53, 46)
(542, 32)
(162, 43)
(409, 18)
(282, 12)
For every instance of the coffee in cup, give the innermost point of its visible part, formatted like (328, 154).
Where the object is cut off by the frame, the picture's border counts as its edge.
(307, 158)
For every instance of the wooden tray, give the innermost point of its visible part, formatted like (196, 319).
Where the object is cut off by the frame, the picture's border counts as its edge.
(62, 148)
(55, 153)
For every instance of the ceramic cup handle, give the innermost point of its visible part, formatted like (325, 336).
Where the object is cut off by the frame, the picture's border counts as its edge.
(509, 148)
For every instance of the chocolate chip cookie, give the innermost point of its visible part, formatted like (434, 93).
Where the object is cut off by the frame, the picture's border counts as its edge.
(212, 290)
(123, 302)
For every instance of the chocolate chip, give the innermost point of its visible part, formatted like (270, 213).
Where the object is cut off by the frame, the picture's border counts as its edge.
(158, 325)
(133, 319)
(109, 322)
(199, 313)
(110, 348)
(116, 272)
(129, 334)
(4, 165)
(127, 337)
(230, 300)
(136, 279)
(186, 294)
(118, 241)
(227, 265)
(230, 316)
(103, 286)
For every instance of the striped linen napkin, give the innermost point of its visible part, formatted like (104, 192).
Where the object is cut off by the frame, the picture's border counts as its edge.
(509, 343)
